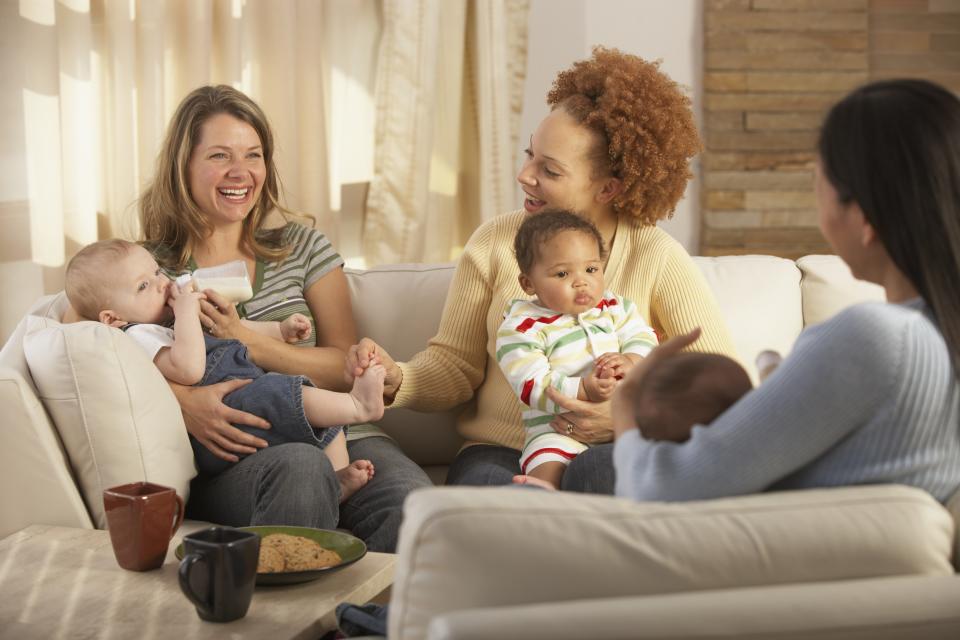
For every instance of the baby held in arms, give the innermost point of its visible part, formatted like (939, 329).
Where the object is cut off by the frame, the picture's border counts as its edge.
(684, 390)
(119, 284)
(573, 336)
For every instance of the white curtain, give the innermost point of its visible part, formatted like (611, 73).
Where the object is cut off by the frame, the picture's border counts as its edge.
(449, 89)
(88, 87)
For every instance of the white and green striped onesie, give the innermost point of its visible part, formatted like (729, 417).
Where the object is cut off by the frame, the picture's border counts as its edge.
(539, 348)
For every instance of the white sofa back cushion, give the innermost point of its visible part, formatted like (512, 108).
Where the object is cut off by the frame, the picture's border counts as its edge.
(116, 416)
(399, 306)
(759, 297)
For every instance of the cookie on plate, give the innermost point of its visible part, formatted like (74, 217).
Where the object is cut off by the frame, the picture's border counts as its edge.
(296, 552)
(271, 560)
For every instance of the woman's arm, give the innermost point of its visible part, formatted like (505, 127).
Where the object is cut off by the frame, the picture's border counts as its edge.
(839, 375)
(209, 420)
(452, 366)
(329, 301)
(682, 301)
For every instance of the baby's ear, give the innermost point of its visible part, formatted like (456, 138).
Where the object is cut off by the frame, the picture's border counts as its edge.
(526, 284)
(107, 316)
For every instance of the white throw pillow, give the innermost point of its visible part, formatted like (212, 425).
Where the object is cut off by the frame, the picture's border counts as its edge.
(117, 417)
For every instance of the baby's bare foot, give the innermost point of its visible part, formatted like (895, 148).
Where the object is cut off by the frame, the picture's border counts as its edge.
(353, 477)
(367, 393)
(534, 482)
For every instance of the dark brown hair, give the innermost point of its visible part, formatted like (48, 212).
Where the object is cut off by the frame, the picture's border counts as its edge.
(539, 228)
(893, 147)
(687, 389)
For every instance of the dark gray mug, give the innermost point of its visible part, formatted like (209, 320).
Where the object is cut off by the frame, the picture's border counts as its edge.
(219, 571)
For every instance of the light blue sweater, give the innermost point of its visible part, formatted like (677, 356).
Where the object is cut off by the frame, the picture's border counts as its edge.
(866, 397)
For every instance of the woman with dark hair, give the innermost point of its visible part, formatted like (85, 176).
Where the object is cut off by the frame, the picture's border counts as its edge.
(215, 187)
(615, 149)
(871, 395)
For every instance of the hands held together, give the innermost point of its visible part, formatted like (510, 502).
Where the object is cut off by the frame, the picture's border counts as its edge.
(607, 371)
(613, 382)
(367, 353)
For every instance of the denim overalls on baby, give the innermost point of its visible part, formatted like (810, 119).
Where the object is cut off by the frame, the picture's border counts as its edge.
(275, 397)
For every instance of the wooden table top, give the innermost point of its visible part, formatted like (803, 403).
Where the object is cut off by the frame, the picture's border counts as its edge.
(58, 582)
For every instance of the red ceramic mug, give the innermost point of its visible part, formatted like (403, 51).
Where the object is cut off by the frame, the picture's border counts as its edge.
(142, 518)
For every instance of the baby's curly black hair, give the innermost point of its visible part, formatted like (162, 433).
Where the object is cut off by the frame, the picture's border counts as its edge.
(539, 228)
(645, 121)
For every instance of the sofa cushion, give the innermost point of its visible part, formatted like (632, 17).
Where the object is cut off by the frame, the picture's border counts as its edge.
(117, 418)
(759, 298)
(399, 307)
(875, 609)
(462, 547)
(38, 487)
(828, 287)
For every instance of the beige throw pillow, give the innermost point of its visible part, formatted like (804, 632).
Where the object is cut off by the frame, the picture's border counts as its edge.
(828, 287)
(117, 417)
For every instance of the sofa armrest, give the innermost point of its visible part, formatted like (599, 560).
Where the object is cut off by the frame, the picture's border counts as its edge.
(462, 548)
(879, 609)
(35, 484)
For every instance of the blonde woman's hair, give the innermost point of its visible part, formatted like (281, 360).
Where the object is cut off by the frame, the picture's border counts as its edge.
(89, 278)
(171, 223)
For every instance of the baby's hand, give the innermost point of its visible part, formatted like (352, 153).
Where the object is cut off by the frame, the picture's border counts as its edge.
(767, 361)
(295, 328)
(598, 389)
(612, 365)
(185, 300)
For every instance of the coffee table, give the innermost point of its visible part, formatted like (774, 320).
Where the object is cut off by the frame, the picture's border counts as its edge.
(58, 582)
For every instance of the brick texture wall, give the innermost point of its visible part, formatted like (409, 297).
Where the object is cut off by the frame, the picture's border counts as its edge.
(771, 70)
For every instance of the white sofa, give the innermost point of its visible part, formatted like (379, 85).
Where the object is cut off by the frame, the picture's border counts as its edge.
(866, 562)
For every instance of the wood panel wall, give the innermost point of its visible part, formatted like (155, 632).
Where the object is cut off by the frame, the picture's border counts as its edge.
(771, 70)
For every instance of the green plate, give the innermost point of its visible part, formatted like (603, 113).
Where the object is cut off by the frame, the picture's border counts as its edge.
(348, 547)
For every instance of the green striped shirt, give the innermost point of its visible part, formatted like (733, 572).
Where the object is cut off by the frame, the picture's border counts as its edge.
(278, 287)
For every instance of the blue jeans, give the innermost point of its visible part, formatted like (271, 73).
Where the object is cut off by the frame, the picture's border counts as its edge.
(275, 397)
(492, 465)
(295, 484)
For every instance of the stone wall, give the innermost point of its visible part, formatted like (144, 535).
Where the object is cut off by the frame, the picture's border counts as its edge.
(771, 70)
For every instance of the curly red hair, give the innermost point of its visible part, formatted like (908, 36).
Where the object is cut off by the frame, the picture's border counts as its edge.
(645, 120)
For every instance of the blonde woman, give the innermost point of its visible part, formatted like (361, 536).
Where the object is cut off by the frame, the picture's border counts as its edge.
(215, 186)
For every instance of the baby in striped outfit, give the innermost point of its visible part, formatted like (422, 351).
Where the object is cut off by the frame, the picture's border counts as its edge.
(573, 335)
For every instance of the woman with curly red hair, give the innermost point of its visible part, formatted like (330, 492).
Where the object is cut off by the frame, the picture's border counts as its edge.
(615, 149)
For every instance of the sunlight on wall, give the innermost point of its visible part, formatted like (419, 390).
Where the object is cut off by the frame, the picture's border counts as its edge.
(443, 176)
(351, 143)
(41, 116)
(79, 6)
(351, 34)
(79, 170)
(41, 12)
